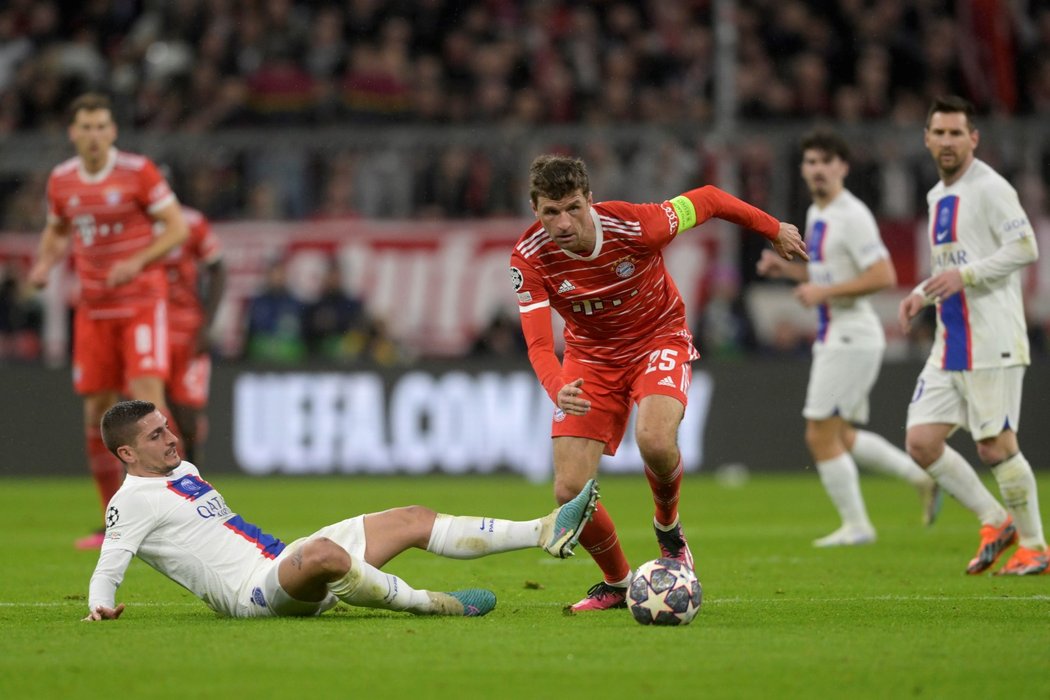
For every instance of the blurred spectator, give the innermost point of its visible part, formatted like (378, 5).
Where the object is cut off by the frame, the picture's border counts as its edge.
(21, 317)
(275, 319)
(725, 330)
(500, 338)
(334, 324)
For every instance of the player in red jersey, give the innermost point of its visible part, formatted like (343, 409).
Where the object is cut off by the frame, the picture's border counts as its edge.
(105, 201)
(626, 340)
(189, 319)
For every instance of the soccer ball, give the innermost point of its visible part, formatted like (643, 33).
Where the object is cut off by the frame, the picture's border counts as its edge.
(664, 592)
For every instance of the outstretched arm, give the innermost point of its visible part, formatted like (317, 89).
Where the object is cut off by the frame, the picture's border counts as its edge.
(697, 206)
(109, 573)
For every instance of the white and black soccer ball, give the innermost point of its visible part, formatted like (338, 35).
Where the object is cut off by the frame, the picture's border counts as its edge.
(664, 592)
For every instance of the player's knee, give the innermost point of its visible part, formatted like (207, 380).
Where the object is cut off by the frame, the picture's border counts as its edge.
(657, 449)
(923, 452)
(323, 556)
(565, 491)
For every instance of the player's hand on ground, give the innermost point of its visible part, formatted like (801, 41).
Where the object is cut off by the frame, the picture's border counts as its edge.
(811, 295)
(570, 399)
(771, 265)
(788, 243)
(104, 613)
(123, 271)
(910, 306)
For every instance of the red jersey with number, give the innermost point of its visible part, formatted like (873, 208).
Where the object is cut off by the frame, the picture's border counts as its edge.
(185, 312)
(109, 215)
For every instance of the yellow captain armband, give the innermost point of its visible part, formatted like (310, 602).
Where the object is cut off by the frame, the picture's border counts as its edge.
(685, 210)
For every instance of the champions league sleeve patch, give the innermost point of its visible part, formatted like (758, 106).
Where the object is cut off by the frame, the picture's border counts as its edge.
(516, 278)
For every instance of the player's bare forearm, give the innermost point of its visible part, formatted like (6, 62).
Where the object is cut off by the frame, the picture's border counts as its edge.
(216, 287)
(773, 266)
(54, 244)
(909, 308)
(878, 276)
(175, 233)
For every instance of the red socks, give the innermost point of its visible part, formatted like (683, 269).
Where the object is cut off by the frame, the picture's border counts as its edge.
(666, 489)
(106, 469)
(599, 538)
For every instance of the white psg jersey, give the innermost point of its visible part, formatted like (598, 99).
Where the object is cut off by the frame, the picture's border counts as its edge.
(843, 240)
(982, 326)
(181, 526)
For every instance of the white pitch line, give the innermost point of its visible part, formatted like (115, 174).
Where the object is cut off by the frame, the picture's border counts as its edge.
(707, 601)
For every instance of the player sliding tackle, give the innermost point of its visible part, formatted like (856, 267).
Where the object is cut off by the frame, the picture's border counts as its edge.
(181, 526)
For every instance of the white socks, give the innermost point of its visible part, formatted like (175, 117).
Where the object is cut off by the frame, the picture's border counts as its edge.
(874, 452)
(839, 476)
(955, 475)
(1017, 486)
(467, 537)
(367, 586)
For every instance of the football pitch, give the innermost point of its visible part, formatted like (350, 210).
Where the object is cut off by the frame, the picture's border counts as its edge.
(780, 619)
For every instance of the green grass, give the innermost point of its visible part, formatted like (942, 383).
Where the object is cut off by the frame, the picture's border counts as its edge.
(780, 619)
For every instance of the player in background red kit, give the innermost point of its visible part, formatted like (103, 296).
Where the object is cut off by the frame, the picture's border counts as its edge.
(626, 339)
(190, 316)
(105, 201)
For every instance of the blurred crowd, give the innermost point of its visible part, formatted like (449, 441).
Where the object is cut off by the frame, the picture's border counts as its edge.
(202, 66)
(188, 72)
(198, 65)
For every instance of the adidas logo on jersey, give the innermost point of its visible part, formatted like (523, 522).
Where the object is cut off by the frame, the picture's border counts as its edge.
(666, 381)
(566, 287)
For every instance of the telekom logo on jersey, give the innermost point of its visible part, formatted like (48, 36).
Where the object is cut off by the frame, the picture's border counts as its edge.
(299, 423)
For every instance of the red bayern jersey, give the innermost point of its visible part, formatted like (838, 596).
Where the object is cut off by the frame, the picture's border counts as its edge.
(616, 300)
(185, 312)
(109, 218)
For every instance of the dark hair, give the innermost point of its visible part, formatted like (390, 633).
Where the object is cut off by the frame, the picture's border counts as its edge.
(88, 102)
(557, 177)
(118, 424)
(827, 141)
(953, 104)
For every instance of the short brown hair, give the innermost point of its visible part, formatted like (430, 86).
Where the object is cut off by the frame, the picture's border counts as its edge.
(118, 423)
(88, 102)
(827, 141)
(557, 177)
(953, 104)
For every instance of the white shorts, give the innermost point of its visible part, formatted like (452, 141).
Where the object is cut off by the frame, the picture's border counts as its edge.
(262, 595)
(840, 380)
(982, 401)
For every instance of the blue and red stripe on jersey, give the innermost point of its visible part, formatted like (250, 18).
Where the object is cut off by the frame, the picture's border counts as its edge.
(269, 546)
(815, 248)
(942, 228)
(190, 487)
(953, 311)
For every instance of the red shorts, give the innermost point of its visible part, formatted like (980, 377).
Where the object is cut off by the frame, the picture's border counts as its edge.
(665, 370)
(110, 348)
(190, 375)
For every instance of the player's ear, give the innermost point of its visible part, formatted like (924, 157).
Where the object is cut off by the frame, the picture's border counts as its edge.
(126, 453)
